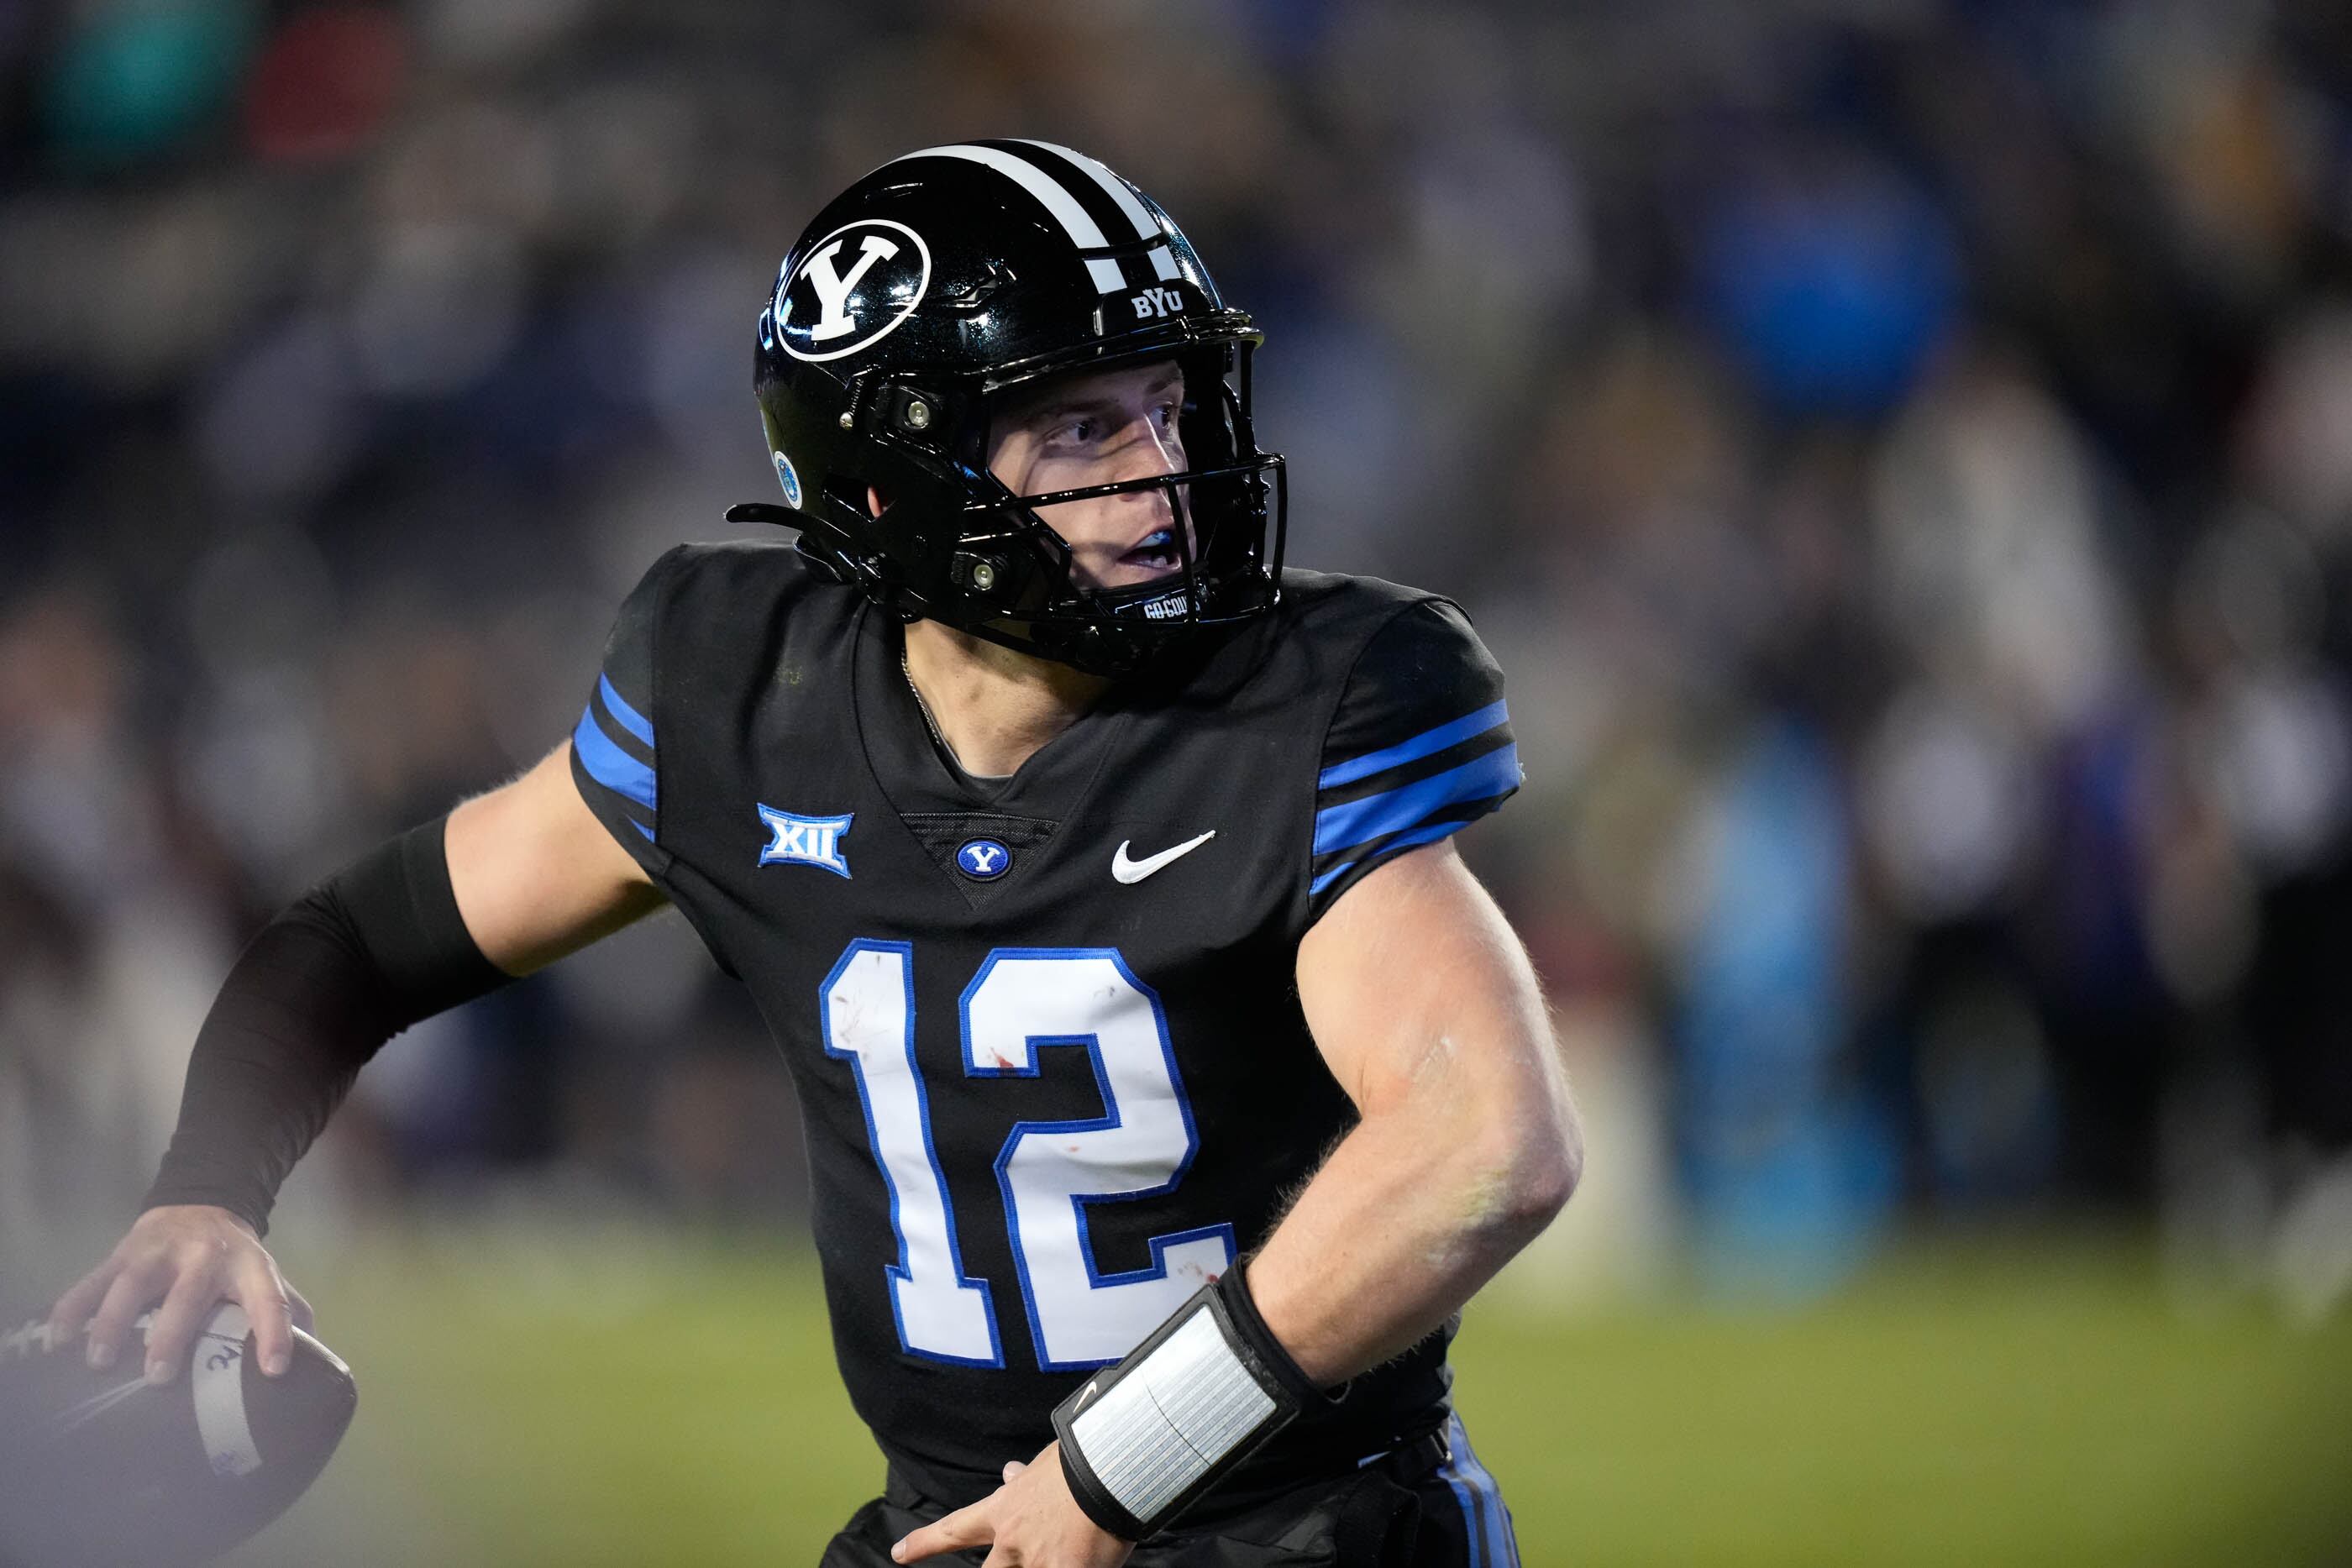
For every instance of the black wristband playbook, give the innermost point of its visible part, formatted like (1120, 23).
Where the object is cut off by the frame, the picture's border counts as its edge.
(369, 951)
(1140, 1442)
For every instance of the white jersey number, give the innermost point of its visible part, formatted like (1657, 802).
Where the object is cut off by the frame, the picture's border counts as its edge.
(1025, 999)
(868, 1009)
(1022, 1001)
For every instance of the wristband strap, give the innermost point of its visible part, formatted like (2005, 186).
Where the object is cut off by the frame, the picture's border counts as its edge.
(1142, 1439)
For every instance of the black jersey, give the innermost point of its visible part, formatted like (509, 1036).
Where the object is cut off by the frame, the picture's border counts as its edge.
(1046, 1032)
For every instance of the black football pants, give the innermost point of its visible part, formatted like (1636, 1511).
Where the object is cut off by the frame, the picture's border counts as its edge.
(1386, 1515)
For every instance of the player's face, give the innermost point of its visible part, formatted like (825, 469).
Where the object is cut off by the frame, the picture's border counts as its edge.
(1098, 427)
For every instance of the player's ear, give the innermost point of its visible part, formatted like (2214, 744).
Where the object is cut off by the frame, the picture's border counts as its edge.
(876, 503)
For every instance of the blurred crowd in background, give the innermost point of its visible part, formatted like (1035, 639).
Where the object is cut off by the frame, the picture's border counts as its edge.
(1901, 454)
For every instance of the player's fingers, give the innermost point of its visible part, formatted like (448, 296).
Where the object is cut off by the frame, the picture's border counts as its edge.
(79, 1305)
(304, 1318)
(132, 1289)
(1014, 1468)
(172, 1334)
(270, 1308)
(964, 1527)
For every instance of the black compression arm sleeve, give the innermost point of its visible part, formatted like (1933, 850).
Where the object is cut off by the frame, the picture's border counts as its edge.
(349, 964)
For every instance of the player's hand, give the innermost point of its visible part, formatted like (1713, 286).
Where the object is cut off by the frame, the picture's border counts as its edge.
(1032, 1521)
(190, 1258)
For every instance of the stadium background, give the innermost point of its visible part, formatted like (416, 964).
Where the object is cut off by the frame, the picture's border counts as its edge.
(1901, 454)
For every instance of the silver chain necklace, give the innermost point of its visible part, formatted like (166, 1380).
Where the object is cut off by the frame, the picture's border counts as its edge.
(923, 707)
(932, 725)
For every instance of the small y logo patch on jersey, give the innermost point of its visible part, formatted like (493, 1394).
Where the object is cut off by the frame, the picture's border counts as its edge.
(808, 840)
(1126, 870)
(983, 860)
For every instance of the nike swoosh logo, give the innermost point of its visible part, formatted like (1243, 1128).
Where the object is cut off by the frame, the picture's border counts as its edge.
(1126, 870)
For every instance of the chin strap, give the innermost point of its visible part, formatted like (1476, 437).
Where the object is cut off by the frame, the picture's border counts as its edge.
(1168, 603)
(828, 551)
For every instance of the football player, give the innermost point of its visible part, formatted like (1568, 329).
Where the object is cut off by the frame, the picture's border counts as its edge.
(1169, 1082)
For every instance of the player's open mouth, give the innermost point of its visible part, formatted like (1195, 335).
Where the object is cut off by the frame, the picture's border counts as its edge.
(1155, 552)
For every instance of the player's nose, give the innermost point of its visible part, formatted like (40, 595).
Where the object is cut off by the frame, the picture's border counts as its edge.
(1148, 451)
(1149, 454)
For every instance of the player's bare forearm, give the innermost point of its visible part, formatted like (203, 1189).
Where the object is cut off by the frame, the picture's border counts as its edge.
(1424, 1004)
(1393, 1236)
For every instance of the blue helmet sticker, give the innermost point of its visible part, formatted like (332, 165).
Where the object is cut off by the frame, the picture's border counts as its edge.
(983, 860)
(789, 480)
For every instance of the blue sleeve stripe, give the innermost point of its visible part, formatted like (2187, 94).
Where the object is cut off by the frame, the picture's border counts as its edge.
(610, 766)
(1422, 745)
(642, 828)
(633, 721)
(1375, 816)
(1428, 835)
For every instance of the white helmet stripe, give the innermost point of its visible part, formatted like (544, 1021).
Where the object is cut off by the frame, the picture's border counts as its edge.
(1163, 264)
(1081, 228)
(1113, 187)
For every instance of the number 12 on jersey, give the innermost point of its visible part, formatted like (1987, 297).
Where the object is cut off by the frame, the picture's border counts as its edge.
(1023, 1000)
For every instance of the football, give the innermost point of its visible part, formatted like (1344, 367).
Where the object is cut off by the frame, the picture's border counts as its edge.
(100, 1468)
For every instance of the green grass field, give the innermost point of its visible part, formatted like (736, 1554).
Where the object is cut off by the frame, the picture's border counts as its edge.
(600, 1398)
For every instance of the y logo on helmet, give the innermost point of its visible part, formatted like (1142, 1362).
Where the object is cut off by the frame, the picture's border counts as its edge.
(832, 288)
(852, 290)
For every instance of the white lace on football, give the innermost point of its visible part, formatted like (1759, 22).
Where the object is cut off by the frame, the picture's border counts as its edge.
(24, 1341)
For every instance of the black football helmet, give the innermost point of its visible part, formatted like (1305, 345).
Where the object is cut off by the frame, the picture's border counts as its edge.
(918, 298)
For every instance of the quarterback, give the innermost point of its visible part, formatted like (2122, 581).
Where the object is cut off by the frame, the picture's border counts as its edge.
(1169, 1082)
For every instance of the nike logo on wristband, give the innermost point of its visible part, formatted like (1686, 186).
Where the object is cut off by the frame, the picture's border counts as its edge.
(1131, 871)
